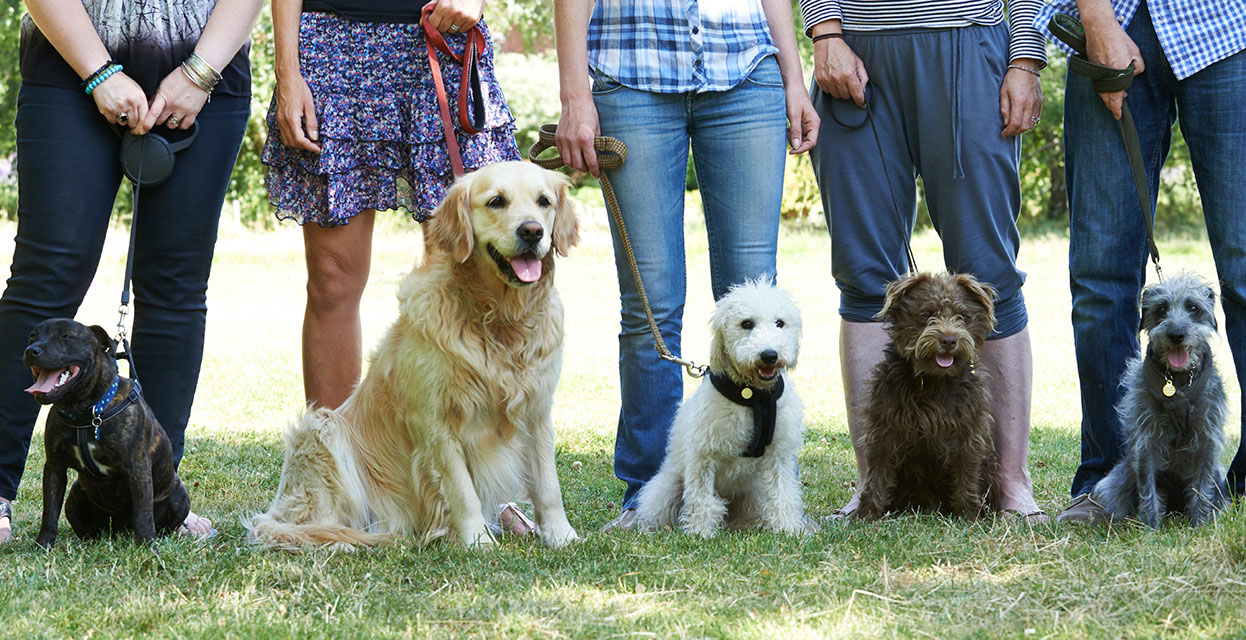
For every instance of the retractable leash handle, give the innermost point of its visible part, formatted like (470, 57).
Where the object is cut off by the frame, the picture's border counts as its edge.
(611, 154)
(1109, 80)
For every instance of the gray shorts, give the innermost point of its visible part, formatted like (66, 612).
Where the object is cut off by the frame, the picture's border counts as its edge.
(935, 105)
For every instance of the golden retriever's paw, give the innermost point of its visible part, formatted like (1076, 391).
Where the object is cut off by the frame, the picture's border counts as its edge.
(477, 537)
(558, 536)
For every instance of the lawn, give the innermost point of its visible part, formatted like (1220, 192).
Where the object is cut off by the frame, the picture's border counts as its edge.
(904, 577)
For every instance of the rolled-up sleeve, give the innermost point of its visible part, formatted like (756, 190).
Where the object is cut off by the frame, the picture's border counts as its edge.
(1024, 40)
(815, 11)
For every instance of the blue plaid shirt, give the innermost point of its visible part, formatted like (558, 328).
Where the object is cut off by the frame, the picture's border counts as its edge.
(678, 46)
(1193, 33)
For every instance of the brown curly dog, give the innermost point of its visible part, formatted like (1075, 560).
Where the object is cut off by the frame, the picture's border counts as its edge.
(927, 441)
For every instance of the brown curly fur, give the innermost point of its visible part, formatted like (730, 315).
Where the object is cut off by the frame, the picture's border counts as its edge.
(928, 437)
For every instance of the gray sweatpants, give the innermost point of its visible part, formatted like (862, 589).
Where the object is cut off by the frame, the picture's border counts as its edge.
(935, 105)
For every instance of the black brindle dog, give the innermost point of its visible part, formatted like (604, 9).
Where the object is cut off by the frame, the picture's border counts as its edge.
(101, 427)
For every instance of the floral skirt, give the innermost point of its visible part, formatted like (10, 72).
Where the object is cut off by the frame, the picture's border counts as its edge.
(380, 132)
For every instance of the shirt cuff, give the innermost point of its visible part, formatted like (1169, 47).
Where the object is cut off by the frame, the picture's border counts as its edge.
(815, 11)
(1024, 40)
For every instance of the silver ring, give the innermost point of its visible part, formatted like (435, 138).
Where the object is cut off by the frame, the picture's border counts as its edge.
(173, 121)
(1034, 119)
(123, 118)
(454, 27)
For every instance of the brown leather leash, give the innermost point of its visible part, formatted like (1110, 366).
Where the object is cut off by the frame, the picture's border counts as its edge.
(611, 154)
(469, 84)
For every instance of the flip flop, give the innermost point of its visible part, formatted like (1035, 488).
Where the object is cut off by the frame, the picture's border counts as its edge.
(183, 530)
(512, 519)
(840, 514)
(6, 511)
(1031, 518)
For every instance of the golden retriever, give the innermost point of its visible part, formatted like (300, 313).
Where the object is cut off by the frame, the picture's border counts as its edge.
(453, 416)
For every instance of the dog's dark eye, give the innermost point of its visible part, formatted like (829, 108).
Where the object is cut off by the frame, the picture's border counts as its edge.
(543, 202)
(496, 202)
(1192, 308)
(1162, 309)
(925, 315)
(747, 325)
(779, 323)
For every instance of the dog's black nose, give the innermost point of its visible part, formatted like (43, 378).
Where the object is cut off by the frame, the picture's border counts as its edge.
(947, 342)
(769, 357)
(1176, 338)
(530, 231)
(33, 351)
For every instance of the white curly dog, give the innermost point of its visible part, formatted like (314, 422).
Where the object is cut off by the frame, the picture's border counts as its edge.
(731, 457)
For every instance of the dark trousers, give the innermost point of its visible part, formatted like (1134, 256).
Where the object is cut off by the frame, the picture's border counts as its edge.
(68, 176)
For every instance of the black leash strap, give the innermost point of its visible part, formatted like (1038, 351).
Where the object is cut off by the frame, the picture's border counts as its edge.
(122, 341)
(1109, 80)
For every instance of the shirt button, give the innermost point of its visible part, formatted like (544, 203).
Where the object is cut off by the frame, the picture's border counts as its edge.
(696, 30)
(697, 63)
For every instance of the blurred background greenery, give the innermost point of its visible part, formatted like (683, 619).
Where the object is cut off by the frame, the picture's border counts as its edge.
(528, 71)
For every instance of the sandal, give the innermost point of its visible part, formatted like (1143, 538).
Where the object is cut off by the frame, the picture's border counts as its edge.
(1031, 518)
(184, 530)
(511, 519)
(6, 511)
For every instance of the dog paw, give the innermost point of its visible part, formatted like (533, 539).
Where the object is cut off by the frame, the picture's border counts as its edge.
(559, 539)
(46, 542)
(479, 538)
(701, 529)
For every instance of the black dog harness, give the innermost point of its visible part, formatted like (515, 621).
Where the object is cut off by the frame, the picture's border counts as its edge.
(763, 402)
(89, 431)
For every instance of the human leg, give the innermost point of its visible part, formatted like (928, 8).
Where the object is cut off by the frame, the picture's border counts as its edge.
(338, 262)
(67, 180)
(650, 189)
(739, 147)
(1213, 121)
(975, 215)
(1107, 242)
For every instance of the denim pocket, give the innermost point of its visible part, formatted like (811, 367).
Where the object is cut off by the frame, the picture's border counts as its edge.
(766, 74)
(604, 84)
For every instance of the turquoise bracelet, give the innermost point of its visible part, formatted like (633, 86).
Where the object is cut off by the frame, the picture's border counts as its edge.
(102, 76)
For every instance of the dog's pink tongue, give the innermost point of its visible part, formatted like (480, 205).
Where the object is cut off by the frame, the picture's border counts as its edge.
(527, 268)
(1178, 356)
(944, 360)
(46, 381)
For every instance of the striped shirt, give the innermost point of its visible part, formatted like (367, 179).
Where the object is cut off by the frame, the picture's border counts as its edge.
(878, 15)
(678, 46)
(1192, 33)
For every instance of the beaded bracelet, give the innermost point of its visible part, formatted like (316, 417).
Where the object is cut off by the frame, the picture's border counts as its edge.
(97, 72)
(101, 76)
(1026, 69)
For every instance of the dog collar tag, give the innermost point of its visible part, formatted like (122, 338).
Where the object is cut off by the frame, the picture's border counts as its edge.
(746, 393)
(1169, 389)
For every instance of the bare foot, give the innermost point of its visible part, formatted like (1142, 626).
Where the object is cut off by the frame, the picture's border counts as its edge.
(1018, 501)
(6, 522)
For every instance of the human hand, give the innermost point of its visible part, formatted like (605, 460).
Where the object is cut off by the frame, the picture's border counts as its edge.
(455, 16)
(577, 126)
(1020, 99)
(1108, 44)
(121, 94)
(839, 71)
(296, 113)
(803, 121)
(176, 103)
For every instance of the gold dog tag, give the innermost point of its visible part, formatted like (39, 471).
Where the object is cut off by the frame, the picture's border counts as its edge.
(1169, 390)
(747, 393)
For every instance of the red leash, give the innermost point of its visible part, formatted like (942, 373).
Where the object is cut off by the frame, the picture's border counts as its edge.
(469, 85)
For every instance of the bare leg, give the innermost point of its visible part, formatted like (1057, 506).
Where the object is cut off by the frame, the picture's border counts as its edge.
(1009, 364)
(338, 262)
(861, 347)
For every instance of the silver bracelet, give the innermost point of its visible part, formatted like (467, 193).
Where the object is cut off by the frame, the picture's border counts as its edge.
(1037, 74)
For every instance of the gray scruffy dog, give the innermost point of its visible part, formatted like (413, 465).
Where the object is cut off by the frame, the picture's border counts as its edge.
(1173, 411)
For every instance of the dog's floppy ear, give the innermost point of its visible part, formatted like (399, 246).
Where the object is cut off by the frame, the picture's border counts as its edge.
(1211, 306)
(896, 289)
(981, 293)
(566, 233)
(1149, 305)
(105, 340)
(450, 228)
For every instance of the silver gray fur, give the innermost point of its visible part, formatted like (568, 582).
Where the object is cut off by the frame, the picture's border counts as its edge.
(1173, 444)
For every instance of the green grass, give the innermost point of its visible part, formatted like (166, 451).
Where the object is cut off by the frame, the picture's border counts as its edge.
(905, 577)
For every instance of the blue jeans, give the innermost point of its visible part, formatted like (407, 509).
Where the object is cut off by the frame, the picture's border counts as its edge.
(1107, 254)
(68, 177)
(739, 140)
